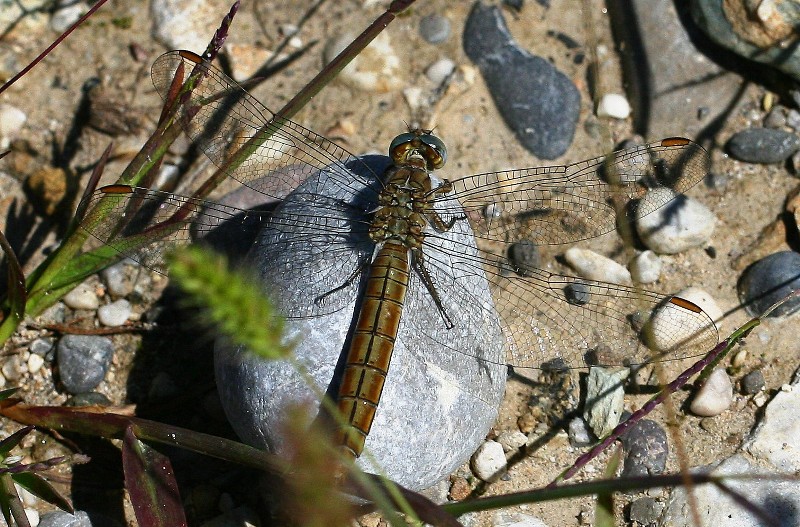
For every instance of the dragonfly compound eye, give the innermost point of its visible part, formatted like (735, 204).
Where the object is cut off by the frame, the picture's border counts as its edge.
(424, 145)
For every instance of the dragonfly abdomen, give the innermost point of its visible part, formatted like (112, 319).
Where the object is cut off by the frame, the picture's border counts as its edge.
(372, 345)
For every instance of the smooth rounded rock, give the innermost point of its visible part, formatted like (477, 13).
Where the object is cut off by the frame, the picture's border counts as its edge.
(645, 267)
(646, 449)
(769, 280)
(524, 257)
(763, 145)
(753, 382)
(679, 225)
(668, 326)
(594, 266)
(443, 386)
(645, 511)
(116, 280)
(539, 103)
(434, 28)
(438, 72)
(489, 461)
(714, 396)
(83, 361)
(114, 314)
(35, 362)
(82, 297)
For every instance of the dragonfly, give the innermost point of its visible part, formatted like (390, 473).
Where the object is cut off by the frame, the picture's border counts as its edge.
(385, 236)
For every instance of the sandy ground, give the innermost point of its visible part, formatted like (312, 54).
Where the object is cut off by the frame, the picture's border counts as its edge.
(478, 141)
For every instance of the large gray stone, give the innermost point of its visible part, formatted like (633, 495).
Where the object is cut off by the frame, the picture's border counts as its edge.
(443, 387)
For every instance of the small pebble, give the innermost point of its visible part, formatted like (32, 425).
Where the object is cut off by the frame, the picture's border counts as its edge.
(460, 489)
(769, 280)
(645, 267)
(793, 119)
(35, 362)
(593, 266)
(605, 393)
(614, 105)
(676, 223)
(753, 382)
(43, 347)
(776, 118)
(645, 511)
(114, 314)
(512, 440)
(116, 280)
(11, 121)
(13, 368)
(67, 13)
(434, 28)
(438, 72)
(646, 449)
(83, 361)
(763, 145)
(82, 297)
(577, 294)
(714, 396)
(524, 257)
(669, 326)
(489, 461)
(578, 433)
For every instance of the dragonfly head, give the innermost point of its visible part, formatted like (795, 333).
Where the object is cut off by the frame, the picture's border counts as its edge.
(416, 147)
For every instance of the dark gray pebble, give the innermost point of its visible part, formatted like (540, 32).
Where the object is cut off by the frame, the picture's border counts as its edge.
(83, 361)
(540, 104)
(645, 511)
(577, 294)
(769, 280)
(646, 449)
(763, 145)
(434, 28)
(524, 256)
(753, 382)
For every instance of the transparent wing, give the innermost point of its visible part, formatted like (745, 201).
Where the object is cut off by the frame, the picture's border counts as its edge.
(565, 204)
(223, 118)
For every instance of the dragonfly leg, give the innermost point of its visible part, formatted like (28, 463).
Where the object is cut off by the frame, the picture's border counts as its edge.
(419, 265)
(320, 300)
(432, 216)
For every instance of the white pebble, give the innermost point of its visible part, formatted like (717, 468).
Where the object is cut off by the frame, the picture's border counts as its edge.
(512, 440)
(82, 297)
(593, 266)
(645, 267)
(35, 362)
(614, 105)
(11, 121)
(672, 325)
(669, 228)
(489, 461)
(13, 368)
(440, 70)
(117, 281)
(114, 314)
(67, 13)
(715, 396)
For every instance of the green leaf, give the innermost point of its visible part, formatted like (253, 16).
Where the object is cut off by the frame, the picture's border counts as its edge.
(151, 484)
